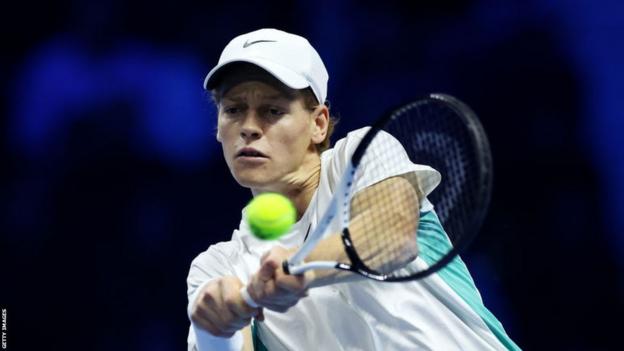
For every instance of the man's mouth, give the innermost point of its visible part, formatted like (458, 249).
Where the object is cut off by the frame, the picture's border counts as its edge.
(250, 152)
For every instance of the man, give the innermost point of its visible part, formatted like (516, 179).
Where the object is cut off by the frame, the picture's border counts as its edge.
(270, 88)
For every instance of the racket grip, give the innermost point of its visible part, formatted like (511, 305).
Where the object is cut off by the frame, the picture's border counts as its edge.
(286, 267)
(245, 294)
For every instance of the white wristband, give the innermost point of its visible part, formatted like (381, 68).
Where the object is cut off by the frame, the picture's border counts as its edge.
(248, 298)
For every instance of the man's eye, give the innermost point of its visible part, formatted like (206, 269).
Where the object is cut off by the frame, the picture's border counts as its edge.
(275, 111)
(231, 110)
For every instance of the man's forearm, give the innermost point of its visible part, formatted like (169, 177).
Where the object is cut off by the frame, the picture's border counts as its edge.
(383, 245)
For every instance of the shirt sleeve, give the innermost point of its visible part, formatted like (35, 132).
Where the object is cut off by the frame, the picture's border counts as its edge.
(376, 166)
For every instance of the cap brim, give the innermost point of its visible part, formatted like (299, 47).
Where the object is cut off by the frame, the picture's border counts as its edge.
(287, 76)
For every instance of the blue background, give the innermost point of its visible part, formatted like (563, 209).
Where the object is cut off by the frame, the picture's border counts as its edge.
(112, 181)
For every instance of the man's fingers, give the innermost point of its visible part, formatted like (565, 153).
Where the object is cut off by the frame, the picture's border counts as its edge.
(208, 319)
(219, 316)
(270, 287)
(262, 283)
(205, 324)
(267, 270)
(235, 302)
(220, 309)
(293, 283)
(237, 325)
(260, 290)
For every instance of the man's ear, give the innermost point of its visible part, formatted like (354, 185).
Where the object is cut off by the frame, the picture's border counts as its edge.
(321, 123)
(217, 129)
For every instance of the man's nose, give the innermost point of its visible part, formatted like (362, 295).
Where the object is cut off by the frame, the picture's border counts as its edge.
(251, 127)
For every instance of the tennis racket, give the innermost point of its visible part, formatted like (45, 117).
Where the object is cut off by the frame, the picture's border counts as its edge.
(437, 130)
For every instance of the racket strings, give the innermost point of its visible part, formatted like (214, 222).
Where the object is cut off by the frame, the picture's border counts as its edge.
(383, 226)
(384, 215)
(440, 140)
(432, 133)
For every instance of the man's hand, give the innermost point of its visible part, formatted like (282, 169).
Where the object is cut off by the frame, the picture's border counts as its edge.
(271, 288)
(220, 309)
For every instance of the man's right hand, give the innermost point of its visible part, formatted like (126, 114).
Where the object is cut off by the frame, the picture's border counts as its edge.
(220, 309)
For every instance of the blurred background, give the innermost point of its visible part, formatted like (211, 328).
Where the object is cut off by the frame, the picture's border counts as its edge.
(112, 181)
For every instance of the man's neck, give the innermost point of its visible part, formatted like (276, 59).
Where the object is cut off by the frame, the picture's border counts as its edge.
(301, 188)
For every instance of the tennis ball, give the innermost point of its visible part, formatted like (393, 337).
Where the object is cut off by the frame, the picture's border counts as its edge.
(270, 215)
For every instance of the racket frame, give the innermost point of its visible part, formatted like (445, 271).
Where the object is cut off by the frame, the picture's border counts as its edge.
(296, 264)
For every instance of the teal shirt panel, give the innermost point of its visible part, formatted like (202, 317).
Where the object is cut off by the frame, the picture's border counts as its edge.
(433, 243)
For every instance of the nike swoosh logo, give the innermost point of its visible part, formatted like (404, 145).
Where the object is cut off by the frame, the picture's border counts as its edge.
(248, 43)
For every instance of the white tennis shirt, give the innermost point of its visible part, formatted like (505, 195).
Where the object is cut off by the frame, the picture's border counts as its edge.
(364, 315)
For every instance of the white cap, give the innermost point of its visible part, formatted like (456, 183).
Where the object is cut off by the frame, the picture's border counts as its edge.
(288, 57)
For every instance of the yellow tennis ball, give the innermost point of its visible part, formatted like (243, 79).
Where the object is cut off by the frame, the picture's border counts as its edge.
(270, 215)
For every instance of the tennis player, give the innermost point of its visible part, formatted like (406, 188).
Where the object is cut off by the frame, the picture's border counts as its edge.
(274, 124)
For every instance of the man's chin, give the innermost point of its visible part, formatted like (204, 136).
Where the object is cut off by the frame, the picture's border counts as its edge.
(253, 182)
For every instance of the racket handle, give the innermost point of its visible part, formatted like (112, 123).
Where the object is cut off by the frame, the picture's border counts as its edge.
(286, 267)
(245, 294)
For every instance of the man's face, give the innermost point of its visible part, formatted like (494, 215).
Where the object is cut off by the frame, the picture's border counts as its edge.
(266, 136)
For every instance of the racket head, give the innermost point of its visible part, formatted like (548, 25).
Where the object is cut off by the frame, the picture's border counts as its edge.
(442, 132)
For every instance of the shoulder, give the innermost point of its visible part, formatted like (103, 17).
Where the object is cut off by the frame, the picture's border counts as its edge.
(375, 166)
(376, 157)
(345, 146)
(334, 160)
